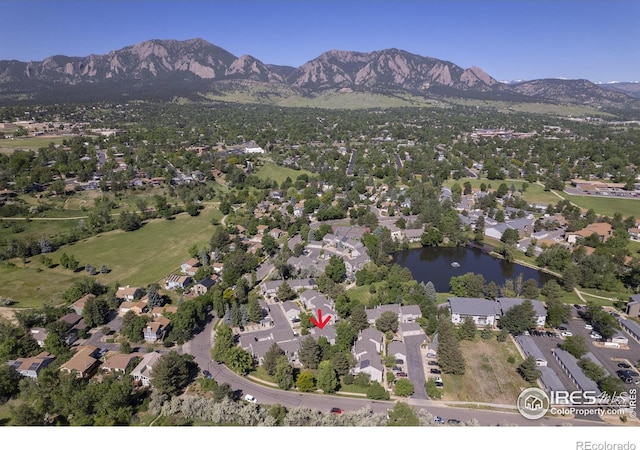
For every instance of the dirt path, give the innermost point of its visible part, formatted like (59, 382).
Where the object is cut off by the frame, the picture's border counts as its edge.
(580, 293)
(7, 313)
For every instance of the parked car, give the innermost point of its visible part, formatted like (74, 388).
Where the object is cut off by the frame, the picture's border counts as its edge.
(436, 371)
(595, 335)
(336, 411)
(624, 365)
(250, 398)
(567, 333)
(453, 422)
(439, 420)
(399, 361)
(206, 374)
(439, 384)
(562, 328)
(588, 327)
(401, 375)
(433, 363)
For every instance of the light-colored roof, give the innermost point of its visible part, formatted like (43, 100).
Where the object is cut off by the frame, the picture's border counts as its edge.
(120, 361)
(81, 360)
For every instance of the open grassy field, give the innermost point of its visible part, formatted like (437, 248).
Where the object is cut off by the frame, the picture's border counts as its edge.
(28, 143)
(138, 258)
(489, 377)
(606, 206)
(533, 194)
(278, 173)
(34, 228)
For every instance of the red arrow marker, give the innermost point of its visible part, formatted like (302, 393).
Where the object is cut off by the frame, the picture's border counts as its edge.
(320, 323)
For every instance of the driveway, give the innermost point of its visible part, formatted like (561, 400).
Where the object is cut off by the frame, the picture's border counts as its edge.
(415, 366)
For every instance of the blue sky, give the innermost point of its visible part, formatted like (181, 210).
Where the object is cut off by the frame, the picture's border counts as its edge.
(510, 39)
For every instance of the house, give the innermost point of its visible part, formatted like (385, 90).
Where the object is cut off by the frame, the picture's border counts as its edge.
(291, 311)
(128, 293)
(270, 288)
(397, 349)
(508, 303)
(83, 362)
(409, 314)
(603, 230)
(203, 286)
(362, 348)
(374, 336)
(177, 281)
(120, 363)
(371, 364)
(328, 332)
(190, 267)
(483, 312)
(39, 335)
(410, 329)
(488, 312)
(413, 234)
(162, 311)
(315, 301)
(138, 307)
(406, 314)
(31, 367)
(156, 329)
(78, 305)
(142, 373)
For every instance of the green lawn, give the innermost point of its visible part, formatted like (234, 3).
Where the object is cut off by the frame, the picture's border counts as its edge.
(140, 257)
(29, 143)
(359, 294)
(34, 228)
(606, 206)
(533, 194)
(278, 173)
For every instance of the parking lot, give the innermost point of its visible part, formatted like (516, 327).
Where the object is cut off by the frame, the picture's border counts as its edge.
(609, 357)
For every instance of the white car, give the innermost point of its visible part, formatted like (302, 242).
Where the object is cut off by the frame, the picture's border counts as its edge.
(250, 398)
(588, 327)
(595, 335)
(567, 333)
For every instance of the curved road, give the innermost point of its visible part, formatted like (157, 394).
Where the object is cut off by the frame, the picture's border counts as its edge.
(200, 348)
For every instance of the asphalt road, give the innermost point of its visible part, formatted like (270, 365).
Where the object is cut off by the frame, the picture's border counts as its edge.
(200, 347)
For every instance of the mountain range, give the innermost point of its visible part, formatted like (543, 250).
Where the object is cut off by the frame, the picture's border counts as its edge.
(196, 69)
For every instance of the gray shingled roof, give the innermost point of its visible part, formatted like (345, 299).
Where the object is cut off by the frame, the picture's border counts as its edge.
(632, 327)
(506, 303)
(473, 306)
(550, 379)
(593, 358)
(570, 364)
(529, 347)
(396, 347)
